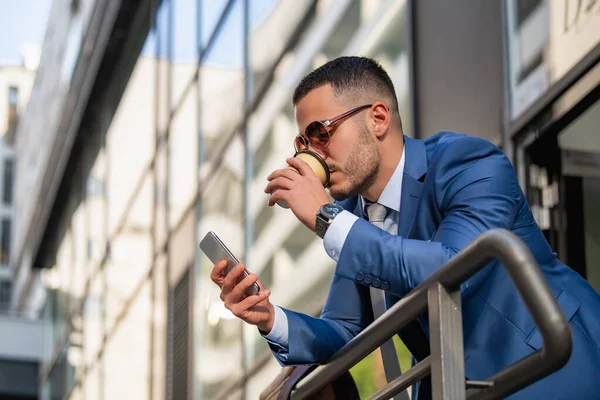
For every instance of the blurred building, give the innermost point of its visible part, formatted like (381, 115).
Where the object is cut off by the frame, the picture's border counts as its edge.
(152, 122)
(16, 81)
(20, 336)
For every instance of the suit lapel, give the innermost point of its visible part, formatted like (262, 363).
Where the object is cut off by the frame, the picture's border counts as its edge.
(415, 167)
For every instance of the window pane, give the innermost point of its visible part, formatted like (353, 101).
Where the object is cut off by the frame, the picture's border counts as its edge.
(96, 211)
(391, 51)
(183, 156)
(185, 31)
(130, 143)
(211, 11)
(218, 333)
(93, 324)
(130, 254)
(13, 100)
(227, 49)
(13, 96)
(127, 350)
(184, 51)
(272, 23)
(7, 192)
(5, 288)
(5, 244)
(222, 84)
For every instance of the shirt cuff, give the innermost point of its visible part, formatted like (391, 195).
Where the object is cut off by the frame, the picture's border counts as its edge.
(336, 234)
(279, 332)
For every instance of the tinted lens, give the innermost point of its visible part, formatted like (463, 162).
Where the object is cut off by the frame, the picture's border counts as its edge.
(317, 134)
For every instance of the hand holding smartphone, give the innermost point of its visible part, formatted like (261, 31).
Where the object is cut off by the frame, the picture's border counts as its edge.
(215, 250)
(242, 299)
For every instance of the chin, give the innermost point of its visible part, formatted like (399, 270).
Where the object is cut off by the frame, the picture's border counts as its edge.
(338, 193)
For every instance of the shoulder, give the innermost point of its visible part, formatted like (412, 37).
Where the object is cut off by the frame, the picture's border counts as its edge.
(456, 149)
(442, 142)
(459, 161)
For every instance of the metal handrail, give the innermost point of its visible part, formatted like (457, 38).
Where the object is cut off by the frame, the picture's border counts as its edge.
(512, 252)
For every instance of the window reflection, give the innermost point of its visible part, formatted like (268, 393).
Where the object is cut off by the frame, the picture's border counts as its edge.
(210, 14)
(127, 351)
(272, 24)
(183, 156)
(130, 254)
(93, 322)
(218, 333)
(390, 49)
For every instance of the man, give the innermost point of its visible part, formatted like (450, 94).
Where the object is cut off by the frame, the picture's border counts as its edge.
(440, 195)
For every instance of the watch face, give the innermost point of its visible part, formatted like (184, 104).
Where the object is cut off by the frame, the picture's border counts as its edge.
(331, 210)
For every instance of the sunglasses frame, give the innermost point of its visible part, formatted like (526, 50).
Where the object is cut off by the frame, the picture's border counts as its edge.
(304, 139)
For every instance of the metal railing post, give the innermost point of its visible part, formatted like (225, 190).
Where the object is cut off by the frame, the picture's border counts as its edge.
(446, 338)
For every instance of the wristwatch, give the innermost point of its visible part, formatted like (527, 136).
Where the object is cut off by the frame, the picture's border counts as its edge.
(325, 215)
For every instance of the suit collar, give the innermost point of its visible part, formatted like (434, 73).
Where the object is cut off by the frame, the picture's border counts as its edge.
(416, 158)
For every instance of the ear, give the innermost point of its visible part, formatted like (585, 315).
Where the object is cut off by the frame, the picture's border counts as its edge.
(381, 118)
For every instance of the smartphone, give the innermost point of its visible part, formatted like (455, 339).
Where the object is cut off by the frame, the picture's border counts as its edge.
(215, 250)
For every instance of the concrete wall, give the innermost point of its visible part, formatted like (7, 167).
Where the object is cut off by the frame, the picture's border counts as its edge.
(458, 63)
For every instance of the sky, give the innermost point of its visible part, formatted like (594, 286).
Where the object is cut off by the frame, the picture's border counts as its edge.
(21, 21)
(228, 48)
(24, 21)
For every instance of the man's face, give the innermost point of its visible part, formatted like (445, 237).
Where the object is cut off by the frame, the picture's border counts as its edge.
(352, 154)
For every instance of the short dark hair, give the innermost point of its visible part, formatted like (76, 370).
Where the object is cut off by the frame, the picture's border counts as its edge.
(349, 76)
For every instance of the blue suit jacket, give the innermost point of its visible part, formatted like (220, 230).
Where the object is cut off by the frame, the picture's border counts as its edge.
(455, 187)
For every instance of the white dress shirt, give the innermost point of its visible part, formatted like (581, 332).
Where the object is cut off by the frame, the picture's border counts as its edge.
(338, 231)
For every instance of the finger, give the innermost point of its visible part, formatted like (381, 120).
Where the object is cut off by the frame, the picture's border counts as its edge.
(232, 278)
(239, 291)
(286, 173)
(249, 302)
(217, 272)
(279, 195)
(300, 165)
(279, 183)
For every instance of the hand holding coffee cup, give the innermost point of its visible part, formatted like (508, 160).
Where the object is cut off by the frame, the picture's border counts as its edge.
(316, 163)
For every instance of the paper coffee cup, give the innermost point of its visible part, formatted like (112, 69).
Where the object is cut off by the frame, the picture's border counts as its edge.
(317, 164)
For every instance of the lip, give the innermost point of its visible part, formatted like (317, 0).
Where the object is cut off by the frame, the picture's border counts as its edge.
(332, 174)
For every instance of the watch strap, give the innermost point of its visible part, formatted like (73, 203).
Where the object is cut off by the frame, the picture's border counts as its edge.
(321, 226)
(323, 220)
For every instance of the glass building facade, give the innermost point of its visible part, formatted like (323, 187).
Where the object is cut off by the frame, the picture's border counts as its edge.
(183, 145)
(196, 116)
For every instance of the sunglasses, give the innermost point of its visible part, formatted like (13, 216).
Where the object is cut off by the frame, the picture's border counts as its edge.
(318, 133)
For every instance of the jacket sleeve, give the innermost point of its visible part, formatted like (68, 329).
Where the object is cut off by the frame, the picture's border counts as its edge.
(475, 188)
(314, 340)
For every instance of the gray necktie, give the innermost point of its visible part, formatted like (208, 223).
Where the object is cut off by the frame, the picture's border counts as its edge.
(377, 213)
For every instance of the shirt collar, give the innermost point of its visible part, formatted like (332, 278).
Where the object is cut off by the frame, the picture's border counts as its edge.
(390, 197)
